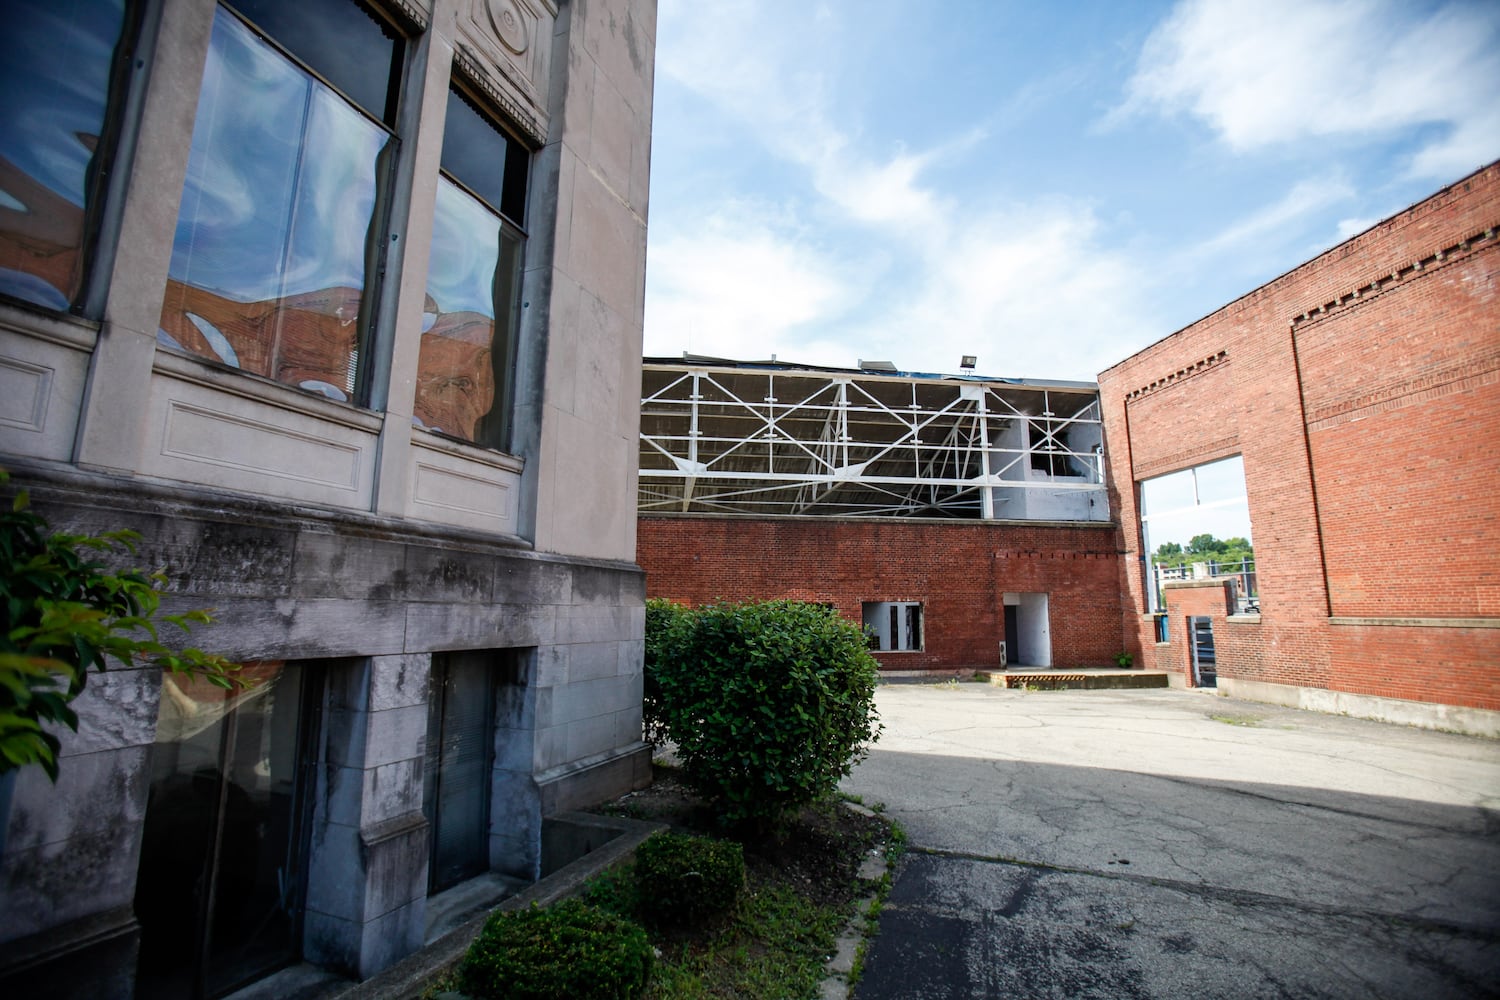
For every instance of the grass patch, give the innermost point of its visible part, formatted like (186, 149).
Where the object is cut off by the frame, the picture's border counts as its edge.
(802, 888)
(1237, 720)
(775, 947)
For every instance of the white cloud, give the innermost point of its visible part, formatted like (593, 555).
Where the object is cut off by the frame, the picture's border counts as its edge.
(1353, 226)
(1033, 291)
(1305, 200)
(902, 271)
(1265, 72)
(740, 286)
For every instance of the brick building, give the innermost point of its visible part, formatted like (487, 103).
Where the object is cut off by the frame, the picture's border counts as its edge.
(962, 519)
(1345, 415)
(1352, 407)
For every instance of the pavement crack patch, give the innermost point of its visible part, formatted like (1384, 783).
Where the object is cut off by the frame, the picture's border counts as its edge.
(1239, 897)
(1318, 806)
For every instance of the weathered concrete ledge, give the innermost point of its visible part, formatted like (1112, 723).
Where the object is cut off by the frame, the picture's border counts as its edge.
(604, 841)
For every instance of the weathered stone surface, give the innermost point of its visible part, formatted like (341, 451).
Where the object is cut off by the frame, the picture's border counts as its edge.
(95, 793)
(296, 628)
(117, 709)
(348, 732)
(56, 882)
(446, 575)
(445, 626)
(596, 585)
(531, 581)
(338, 565)
(394, 854)
(335, 880)
(396, 734)
(332, 942)
(514, 750)
(595, 623)
(592, 660)
(392, 790)
(399, 681)
(392, 936)
(92, 958)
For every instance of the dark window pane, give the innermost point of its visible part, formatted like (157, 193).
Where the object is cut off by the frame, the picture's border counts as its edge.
(55, 66)
(348, 45)
(485, 159)
(517, 167)
(273, 234)
(468, 332)
(217, 894)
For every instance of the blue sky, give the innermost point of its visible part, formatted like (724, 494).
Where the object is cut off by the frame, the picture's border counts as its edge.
(1048, 186)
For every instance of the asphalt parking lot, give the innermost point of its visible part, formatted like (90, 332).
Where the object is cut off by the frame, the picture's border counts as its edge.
(1175, 844)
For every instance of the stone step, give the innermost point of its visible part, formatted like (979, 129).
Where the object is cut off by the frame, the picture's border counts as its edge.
(1077, 679)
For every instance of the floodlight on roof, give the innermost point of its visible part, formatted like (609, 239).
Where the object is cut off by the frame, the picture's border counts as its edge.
(876, 366)
(968, 362)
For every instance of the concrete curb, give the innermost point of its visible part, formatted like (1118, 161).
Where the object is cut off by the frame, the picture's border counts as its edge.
(875, 868)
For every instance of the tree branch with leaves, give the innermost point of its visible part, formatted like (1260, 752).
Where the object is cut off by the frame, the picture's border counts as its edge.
(67, 612)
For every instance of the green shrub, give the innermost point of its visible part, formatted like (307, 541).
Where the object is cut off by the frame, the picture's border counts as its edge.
(567, 950)
(65, 612)
(769, 704)
(665, 624)
(682, 880)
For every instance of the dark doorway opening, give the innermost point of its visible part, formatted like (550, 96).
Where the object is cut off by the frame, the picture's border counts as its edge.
(1012, 632)
(1201, 636)
(457, 765)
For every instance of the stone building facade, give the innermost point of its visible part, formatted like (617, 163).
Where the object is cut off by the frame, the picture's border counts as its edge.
(338, 304)
(1358, 394)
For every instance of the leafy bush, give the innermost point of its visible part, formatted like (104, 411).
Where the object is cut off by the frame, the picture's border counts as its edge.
(769, 704)
(682, 880)
(65, 612)
(665, 623)
(571, 949)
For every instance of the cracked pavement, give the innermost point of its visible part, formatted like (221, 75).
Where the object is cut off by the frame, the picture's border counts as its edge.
(1176, 844)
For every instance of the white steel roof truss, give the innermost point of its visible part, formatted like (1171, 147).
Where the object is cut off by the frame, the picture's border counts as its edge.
(843, 445)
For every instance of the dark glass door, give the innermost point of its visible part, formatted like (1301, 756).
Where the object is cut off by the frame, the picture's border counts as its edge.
(219, 895)
(456, 772)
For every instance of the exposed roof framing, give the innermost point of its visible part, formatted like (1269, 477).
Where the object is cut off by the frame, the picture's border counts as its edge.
(767, 438)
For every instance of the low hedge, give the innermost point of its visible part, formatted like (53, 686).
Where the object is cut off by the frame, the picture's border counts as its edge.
(681, 880)
(570, 949)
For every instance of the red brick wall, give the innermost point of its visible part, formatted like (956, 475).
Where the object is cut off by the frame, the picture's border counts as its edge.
(959, 571)
(1194, 600)
(1363, 391)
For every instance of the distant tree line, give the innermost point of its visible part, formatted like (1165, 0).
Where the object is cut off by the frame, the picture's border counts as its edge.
(1203, 548)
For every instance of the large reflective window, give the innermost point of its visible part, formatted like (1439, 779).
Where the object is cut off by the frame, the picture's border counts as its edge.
(465, 366)
(277, 230)
(57, 58)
